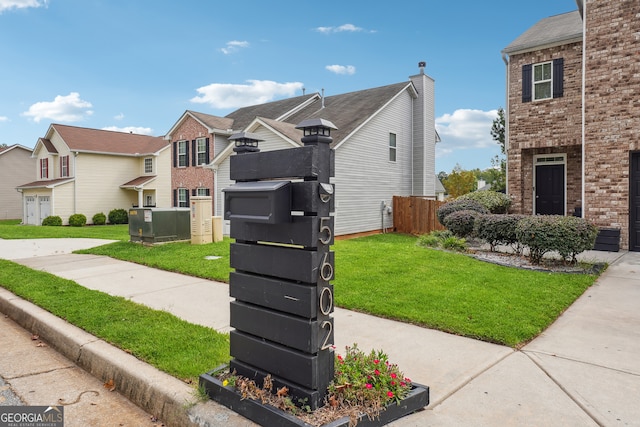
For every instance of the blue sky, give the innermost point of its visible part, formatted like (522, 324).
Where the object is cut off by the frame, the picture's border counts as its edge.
(138, 65)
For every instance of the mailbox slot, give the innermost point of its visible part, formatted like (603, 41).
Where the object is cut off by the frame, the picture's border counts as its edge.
(267, 202)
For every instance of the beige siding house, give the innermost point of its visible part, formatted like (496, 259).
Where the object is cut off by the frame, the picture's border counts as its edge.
(16, 167)
(88, 171)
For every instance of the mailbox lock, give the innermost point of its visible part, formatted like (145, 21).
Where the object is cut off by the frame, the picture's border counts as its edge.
(326, 191)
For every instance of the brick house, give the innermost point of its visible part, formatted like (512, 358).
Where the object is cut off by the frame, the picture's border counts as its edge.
(196, 138)
(573, 117)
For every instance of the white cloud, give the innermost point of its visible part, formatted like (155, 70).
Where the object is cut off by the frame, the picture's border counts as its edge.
(341, 69)
(233, 46)
(21, 4)
(4, 119)
(119, 116)
(68, 108)
(130, 129)
(341, 29)
(226, 95)
(466, 130)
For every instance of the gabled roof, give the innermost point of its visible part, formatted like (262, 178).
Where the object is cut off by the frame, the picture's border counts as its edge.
(351, 110)
(5, 150)
(140, 181)
(46, 184)
(553, 31)
(87, 140)
(287, 129)
(214, 124)
(276, 110)
(48, 145)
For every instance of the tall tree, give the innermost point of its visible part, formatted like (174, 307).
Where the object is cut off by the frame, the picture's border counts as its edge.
(499, 163)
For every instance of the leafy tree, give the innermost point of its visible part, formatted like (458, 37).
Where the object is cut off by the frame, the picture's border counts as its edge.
(459, 182)
(497, 129)
(3, 145)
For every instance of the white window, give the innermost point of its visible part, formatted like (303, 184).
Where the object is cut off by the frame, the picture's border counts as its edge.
(183, 198)
(201, 151)
(44, 168)
(182, 154)
(148, 165)
(64, 166)
(392, 147)
(203, 192)
(542, 80)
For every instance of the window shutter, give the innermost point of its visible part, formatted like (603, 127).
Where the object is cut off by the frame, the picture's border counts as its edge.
(186, 147)
(175, 197)
(527, 82)
(187, 195)
(194, 153)
(175, 155)
(206, 155)
(558, 77)
(194, 192)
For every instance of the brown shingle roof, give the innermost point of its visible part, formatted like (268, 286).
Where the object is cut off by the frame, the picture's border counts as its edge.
(46, 183)
(213, 122)
(48, 145)
(105, 141)
(141, 180)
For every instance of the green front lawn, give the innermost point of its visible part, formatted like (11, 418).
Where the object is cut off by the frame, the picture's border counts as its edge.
(11, 229)
(387, 275)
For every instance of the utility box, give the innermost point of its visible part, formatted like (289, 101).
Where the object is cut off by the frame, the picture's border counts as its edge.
(201, 230)
(157, 225)
(267, 202)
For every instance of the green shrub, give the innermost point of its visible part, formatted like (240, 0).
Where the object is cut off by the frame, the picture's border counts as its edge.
(461, 223)
(99, 219)
(459, 205)
(568, 236)
(77, 220)
(54, 221)
(453, 243)
(498, 229)
(428, 240)
(493, 201)
(118, 216)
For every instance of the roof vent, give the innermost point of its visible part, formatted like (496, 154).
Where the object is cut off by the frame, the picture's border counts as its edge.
(422, 64)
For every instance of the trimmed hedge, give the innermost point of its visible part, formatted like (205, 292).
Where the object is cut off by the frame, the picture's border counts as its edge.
(77, 220)
(499, 229)
(459, 205)
(118, 216)
(99, 219)
(52, 221)
(461, 223)
(493, 201)
(567, 235)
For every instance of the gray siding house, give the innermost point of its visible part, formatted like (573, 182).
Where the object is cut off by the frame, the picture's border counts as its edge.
(16, 167)
(384, 144)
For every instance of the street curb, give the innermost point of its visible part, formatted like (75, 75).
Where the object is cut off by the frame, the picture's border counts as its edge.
(156, 392)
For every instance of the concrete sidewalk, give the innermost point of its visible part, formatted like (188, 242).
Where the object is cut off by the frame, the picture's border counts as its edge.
(584, 370)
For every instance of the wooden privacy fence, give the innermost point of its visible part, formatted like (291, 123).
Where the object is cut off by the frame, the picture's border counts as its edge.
(415, 215)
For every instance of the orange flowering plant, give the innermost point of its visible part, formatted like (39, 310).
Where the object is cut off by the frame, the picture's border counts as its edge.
(367, 380)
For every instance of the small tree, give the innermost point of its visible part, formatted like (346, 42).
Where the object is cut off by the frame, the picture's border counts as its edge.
(459, 182)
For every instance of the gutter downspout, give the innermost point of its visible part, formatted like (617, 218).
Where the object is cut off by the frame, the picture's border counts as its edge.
(584, 69)
(75, 182)
(506, 60)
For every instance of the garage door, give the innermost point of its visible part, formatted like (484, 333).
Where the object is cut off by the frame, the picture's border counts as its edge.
(45, 207)
(30, 207)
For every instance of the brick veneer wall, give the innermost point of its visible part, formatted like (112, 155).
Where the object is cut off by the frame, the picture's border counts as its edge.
(542, 127)
(191, 177)
(612, 109)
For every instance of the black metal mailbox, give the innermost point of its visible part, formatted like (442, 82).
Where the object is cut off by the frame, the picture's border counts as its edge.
(266, 202)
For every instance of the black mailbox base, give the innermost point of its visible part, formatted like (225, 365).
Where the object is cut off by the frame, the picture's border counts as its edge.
(267, 415)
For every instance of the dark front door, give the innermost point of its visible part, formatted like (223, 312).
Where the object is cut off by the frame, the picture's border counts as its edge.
(634, 203)
(549, 190)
